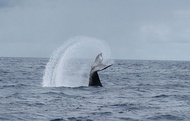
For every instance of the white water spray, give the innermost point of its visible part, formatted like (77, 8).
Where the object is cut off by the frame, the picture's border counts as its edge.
(70, 64)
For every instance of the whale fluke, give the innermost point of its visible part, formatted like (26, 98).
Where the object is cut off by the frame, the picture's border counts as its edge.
(94, 79)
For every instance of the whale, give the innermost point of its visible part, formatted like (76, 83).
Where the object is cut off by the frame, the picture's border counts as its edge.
(97, 66)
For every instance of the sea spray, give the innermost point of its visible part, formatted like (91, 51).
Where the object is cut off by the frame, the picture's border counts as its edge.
(70, 64)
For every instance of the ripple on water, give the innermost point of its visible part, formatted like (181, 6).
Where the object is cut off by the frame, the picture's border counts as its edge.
(57, 119)
(166, 117)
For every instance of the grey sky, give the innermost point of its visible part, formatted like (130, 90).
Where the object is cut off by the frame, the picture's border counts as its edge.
(134, 29)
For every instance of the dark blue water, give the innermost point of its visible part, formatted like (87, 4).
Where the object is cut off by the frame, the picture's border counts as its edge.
(133, 91)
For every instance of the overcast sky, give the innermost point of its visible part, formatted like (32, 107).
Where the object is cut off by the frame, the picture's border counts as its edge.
(134, 29)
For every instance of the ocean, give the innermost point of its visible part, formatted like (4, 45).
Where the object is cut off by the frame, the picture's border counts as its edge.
(133, 90)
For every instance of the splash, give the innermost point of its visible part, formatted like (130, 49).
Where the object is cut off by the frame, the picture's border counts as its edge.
(70, 64)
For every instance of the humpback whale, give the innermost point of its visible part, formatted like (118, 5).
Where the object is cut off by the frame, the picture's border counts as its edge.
(94, 79)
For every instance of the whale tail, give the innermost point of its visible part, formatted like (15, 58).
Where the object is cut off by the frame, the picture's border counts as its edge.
(94, 79)
(97, 65)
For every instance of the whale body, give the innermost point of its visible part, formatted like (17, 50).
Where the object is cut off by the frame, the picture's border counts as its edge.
(94, 79)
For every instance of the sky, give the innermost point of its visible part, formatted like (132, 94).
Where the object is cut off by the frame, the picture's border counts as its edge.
(134, 29)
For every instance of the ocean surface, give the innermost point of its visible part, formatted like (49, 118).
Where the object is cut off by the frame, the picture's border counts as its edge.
(134, 90)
